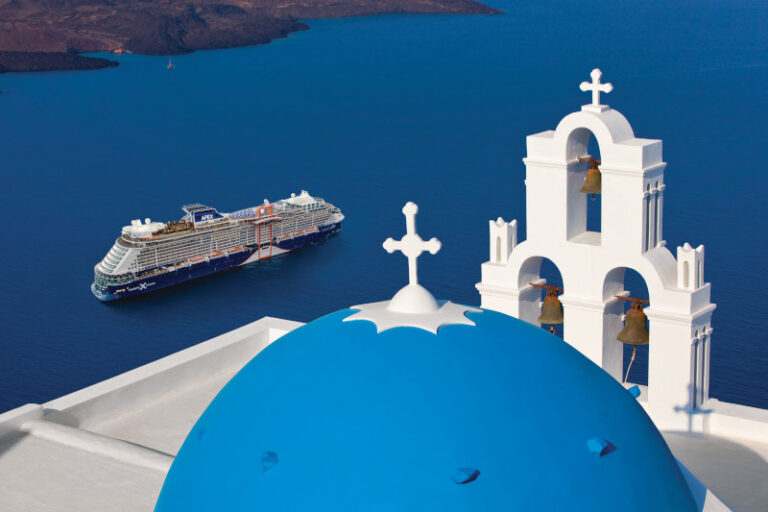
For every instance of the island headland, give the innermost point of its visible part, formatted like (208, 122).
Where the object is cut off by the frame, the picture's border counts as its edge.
(51, 34)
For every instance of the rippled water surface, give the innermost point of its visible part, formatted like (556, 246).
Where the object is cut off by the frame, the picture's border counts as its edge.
(369, 113)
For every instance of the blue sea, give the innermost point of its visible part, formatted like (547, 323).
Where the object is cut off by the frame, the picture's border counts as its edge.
(370, 113)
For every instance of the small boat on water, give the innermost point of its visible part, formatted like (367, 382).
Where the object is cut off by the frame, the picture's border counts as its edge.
(170, 63)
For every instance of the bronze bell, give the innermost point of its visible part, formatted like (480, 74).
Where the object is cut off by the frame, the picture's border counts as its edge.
(634, 332)
(552, 309)
(592, 182)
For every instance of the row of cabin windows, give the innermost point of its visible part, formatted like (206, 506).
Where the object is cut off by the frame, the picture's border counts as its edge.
(196, 247)
(190, 248)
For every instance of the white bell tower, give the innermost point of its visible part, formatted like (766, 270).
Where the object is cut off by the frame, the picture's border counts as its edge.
(592, 264)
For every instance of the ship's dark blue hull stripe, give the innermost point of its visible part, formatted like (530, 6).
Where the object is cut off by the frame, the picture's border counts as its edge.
(202, 268)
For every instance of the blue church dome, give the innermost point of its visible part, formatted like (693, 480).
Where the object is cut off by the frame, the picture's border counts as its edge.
(500, 415)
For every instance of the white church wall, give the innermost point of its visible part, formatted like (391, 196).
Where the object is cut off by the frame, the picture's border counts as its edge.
(592, 264)
(545, 219)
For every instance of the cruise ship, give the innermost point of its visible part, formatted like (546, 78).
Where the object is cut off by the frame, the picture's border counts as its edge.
(152, 255)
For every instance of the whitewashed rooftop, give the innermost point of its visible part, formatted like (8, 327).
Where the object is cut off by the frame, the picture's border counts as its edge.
(108, 447)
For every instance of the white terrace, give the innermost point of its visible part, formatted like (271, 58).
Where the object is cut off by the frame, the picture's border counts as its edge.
(108, 447)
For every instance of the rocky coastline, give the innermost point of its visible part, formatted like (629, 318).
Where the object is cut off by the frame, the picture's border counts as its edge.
(50, 35)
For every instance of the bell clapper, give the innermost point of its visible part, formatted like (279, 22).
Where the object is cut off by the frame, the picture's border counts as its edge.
(634, 332)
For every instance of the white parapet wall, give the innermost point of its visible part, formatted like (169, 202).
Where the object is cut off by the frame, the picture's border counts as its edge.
(168, 375)
(11, 421)
(222, 355)
(735, 421)
(113, 442)
(717, 418)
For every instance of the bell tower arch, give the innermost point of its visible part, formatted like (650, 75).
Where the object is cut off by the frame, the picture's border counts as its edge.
(592, 263)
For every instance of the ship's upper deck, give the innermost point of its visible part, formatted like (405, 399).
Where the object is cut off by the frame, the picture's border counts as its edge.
(200, 214)
(304, 200)
(199, 217)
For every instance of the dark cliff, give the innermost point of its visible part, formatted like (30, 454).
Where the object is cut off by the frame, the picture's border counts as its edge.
(49, 34)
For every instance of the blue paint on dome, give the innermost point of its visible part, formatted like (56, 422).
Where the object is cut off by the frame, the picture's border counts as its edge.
(366, 421)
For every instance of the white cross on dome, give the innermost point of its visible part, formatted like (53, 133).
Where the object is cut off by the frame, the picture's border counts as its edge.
(413, 305)
(411, 245)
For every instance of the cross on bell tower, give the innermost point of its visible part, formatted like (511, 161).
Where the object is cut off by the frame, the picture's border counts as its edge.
(596, 87)
(593, 264)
